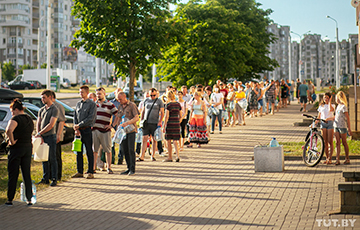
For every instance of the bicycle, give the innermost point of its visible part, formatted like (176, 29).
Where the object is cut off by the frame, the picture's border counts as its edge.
(313, 150)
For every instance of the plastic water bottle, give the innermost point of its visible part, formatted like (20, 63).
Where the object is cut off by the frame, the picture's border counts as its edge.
(274, 142)
(128, 128)
(158, 134)
(139, 136)
(23, 192)
(119, 136)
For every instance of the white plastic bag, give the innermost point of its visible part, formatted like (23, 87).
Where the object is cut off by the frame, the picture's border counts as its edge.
(36, 141)
(42, 153)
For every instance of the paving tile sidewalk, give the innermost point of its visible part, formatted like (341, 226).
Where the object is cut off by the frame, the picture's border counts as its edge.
(212, 187)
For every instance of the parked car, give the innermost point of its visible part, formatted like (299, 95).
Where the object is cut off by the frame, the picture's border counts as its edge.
(21, 85)
(36, 83)
(3, 149)
(111, 96)
(7, 95)
(5, 116)
(66, 83)
(4, 85)
(37, 101)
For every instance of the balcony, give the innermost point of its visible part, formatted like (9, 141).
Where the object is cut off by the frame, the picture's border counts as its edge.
(20, 55)
(11, 56)
(12, 33)
(20, 45)
(34, 57)
(35, 15)
(35, 4)
(35, 25)
(10, 45)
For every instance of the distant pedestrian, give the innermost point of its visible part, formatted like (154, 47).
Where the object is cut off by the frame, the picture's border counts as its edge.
(46, 129)
(197, 121)
(84, 119)
(303, 93)
(216, 100)
(116, 103)
(19, 130)
(271, 97)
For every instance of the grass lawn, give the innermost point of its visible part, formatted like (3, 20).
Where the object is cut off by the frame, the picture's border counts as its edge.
(295, 148)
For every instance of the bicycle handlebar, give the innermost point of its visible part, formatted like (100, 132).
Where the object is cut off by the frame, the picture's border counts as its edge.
(313, 117)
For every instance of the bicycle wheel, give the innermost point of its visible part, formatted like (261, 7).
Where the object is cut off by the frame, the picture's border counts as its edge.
(313, 154)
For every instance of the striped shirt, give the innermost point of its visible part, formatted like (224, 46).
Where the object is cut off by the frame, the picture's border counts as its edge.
(103, 115)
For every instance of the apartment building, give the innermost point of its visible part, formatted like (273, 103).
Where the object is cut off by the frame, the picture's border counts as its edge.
(23, 35)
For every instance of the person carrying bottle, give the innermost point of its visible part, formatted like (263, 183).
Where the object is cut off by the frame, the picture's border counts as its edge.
(84, 118)
(19, 130)
(130, 111)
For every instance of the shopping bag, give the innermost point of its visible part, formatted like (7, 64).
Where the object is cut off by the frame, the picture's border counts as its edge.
(42, 153)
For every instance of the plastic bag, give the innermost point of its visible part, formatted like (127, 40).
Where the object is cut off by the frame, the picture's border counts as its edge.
(158, 134)
(243, 103)
(139, 136)
(119, 136)
(42, 153)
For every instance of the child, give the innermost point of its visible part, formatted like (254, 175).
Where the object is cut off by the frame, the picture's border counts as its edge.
(341, 126)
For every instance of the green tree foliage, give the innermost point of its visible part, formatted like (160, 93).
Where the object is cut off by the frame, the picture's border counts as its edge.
(8, 71)
(27, 66)
(220, 40)
(44, 65)
(129, 34)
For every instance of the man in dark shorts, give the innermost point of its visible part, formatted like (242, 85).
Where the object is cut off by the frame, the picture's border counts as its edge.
(153, 120)
(303, 94)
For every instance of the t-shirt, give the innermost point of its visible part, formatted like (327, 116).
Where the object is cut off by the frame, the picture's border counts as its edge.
(324, 111)
(46, 114)
(155, 111)
(103, 115)
(22, 132)
(240, 95)
(216, 98)
(129, 110)
(340, 118)
(303, 88)
(271, 90)
(225, 93)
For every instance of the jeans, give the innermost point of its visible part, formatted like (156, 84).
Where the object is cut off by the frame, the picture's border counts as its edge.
(86, 139)
(127, 148)
(58, 160)
(19, 157)
(51, 141)
(213, 121)
(120, 155)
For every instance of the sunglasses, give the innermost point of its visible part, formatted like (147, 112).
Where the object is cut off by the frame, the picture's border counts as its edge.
(152, 95)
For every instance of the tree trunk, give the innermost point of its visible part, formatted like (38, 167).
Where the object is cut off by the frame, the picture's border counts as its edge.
(132, 80)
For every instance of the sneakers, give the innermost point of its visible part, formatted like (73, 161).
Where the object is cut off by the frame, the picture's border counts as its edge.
(90, 176)
(43, 182)
(77, 175)
(109, 171)
(131, 173)
(301, 109)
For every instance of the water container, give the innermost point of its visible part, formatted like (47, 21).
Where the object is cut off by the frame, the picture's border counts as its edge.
(158, 134)
(129, 128)
(119, 136)
(76, 145)
(139, 136)
(23, 193)
(243, 103)
(274, 143)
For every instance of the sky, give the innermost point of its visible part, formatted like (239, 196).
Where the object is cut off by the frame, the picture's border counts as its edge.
(305, 15)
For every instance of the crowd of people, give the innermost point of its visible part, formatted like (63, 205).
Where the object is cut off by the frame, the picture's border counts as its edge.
(163, 123)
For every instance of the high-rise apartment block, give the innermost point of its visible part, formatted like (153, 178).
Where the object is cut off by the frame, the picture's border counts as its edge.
(312, 58)
(24, 33)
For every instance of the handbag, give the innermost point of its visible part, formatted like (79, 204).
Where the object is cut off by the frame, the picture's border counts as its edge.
(144, 121)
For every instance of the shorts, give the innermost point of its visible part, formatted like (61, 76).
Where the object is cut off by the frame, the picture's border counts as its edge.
(271, 99)
(149, 129)
(283, 96)
(303, 99)
(230, 106)
(328, 125)
(260, 102)
(101, 140)
(340, 130)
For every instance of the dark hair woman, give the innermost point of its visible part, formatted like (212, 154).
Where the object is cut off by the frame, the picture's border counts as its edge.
(19, 130)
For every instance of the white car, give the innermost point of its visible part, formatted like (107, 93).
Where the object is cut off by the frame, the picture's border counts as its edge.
(5, 115)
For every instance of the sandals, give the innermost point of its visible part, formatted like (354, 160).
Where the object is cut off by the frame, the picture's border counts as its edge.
(139, 159)
(337, 163)
(347, 162)
(189, 146)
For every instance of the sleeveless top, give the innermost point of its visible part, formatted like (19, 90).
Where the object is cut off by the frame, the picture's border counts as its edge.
(197, 109)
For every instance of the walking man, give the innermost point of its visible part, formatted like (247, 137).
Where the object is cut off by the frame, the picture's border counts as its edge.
(46, 129)
(303, 93)
(85, 114)
(131, 112)
(153, 113)
(101, 132)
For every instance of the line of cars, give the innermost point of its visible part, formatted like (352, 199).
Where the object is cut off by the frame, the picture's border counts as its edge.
(32, 106)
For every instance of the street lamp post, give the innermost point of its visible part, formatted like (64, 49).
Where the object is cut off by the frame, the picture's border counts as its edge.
(38, 49)
(337, 54)
(300, 36)
(48, 65)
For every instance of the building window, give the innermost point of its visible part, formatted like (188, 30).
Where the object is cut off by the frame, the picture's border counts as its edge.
(42, 33)
(42, 12)
(42, 54)
(42, 23)
(66, 27)
(42, 2)
(42, 44)
(66, 37)
(28, 53)
(65, 7)
(28, 42)
(4, 40)
(65, 17)
(4, 30)
(28, 31)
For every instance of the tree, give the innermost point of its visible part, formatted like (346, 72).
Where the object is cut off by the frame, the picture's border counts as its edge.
(216, 43)
(27, 66)
(44, 65)
(129, 34)
(8, 71)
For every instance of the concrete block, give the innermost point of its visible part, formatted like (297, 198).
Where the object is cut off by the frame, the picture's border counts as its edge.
(357, 174)
(348, 174)
(342, 198)
(350, 209)
(356, 186)
(345, 186)
(350, 198)
(269, 159)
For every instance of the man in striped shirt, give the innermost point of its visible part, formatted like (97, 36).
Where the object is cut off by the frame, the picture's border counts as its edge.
(101, 131)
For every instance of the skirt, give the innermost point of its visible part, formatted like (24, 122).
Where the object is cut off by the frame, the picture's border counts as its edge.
(197, 130)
